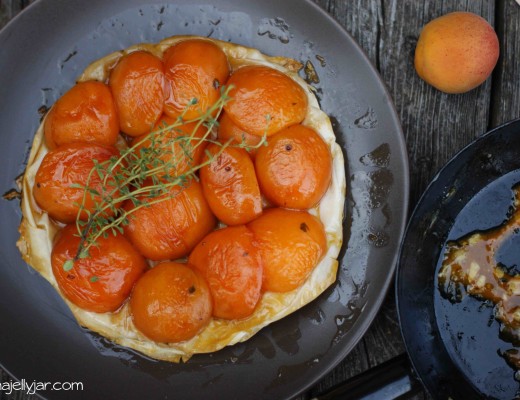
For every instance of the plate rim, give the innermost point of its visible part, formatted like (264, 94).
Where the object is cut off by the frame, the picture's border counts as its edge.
(363, 323)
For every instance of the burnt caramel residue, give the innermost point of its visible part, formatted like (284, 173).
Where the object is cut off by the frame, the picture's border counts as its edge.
(470, 266)
(42, 110)
(321, 59)
(311, 76)
(512, 356)
(67, 59)
(12, 194)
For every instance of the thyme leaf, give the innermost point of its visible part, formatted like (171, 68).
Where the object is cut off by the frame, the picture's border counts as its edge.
(145, 177)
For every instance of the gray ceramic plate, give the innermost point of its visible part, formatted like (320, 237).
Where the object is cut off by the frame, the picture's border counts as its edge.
(48, 45)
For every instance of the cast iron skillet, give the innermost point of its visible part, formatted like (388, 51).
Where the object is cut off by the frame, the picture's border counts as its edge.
(455, 347)
(48, 45)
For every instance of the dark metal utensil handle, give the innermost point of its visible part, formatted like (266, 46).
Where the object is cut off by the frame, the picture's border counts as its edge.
(391, 380)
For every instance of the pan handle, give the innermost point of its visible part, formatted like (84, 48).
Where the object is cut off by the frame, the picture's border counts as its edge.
(390, 380)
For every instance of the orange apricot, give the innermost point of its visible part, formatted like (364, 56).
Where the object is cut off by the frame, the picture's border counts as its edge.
(295, 168)
(194, 69)
(102, 281)
(64, 167)
(291, 244)
(171, 227)
(456, 52)
(231, 264)
(171, 303)
(230, 185)
(174, 147)
(227, 130)
(265, 100)
(137, 83)
(85, 113)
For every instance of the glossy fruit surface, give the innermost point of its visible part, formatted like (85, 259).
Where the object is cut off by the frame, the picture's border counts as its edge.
(230, 185)
(265, 100)
(174, 147)
(171, 303)
(291, 244)
(64, 167)
(85, 113)
(227, 130)
(170, 228)
(102, 281)
(295, 168)
(195, 69)
(137, 83)
(231, 264)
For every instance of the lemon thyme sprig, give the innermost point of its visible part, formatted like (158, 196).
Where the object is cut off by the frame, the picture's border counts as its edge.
(144, 176)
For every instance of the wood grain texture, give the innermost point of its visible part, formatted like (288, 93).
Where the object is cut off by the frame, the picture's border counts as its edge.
(435, 125)
(506, 86)
(365, 21)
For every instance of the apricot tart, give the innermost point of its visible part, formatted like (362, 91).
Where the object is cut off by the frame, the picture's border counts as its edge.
(183, 195)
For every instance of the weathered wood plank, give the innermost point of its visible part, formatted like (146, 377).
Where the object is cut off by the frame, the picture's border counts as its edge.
(9, 8)
(435, 124)
(506, 86)
(360, 19)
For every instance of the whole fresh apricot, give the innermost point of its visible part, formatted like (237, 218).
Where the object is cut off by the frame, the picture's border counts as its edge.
(456, 52)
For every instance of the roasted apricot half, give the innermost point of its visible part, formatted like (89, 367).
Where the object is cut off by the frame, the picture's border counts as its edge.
(295, 168)
(230, 185)
(85, 113)
(101, 281)
(291, 244)
(265, 100)
(171, 303)
(170, 227)
(231, 264)
(174, 149)
(69, 165)
(137, 83)
(195, 71)
(228, 130)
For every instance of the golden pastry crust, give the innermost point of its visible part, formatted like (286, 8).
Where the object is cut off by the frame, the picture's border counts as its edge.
(37, 231)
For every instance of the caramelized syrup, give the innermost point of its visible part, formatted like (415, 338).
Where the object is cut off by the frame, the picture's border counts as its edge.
(471, 265)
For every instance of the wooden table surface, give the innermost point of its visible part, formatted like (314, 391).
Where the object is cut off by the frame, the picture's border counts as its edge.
(435, 125)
